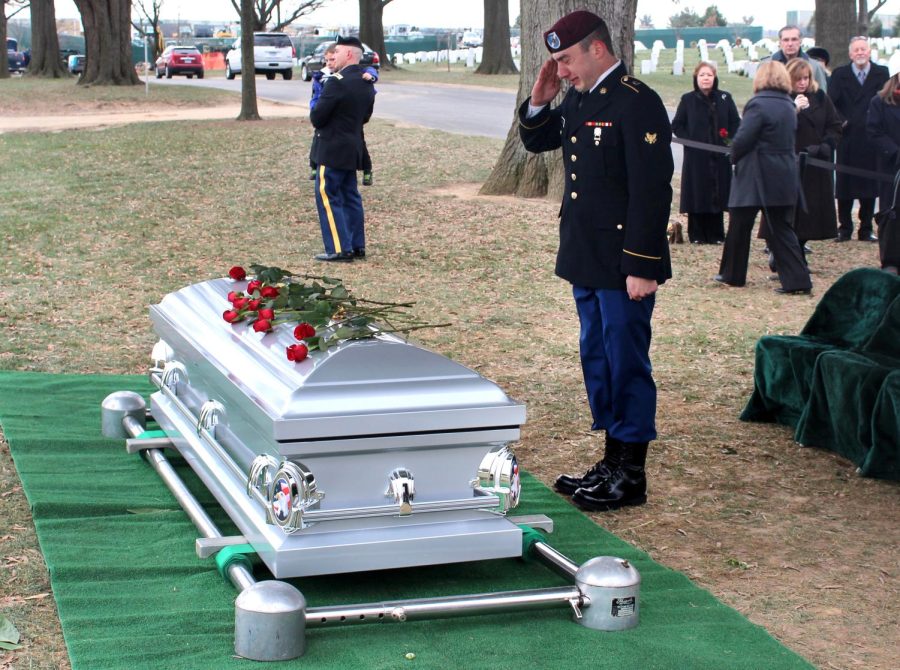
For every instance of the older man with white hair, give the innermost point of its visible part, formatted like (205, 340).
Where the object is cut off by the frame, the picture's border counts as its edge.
(852, 87)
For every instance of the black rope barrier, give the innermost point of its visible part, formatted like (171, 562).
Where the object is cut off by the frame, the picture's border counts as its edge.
(815, 162)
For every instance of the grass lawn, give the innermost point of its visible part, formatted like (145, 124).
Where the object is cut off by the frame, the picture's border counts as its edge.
(97, 225)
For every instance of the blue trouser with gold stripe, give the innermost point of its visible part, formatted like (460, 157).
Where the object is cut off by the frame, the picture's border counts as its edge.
(340, 210)
(615, 360)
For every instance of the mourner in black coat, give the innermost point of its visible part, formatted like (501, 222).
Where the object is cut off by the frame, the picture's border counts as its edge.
(616, 142)
(706, 115)
(338, 117)
(765, 178)
(883, 128)
(851, 99)
(818, 134)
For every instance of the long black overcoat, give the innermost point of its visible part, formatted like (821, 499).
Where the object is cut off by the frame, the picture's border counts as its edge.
(851, 99)
(617, 155)
(765, 166)
(818, 134)
(705, 176)
(883, 128)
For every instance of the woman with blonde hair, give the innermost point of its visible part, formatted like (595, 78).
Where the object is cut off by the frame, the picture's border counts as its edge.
(765, 178)
(706, 114)
(818, 134)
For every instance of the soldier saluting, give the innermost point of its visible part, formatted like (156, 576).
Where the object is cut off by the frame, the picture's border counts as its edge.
(616, 144)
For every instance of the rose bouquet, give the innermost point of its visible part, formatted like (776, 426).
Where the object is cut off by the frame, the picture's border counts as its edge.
(325, 311)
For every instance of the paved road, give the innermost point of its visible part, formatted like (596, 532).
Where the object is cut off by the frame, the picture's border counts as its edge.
(467, 110)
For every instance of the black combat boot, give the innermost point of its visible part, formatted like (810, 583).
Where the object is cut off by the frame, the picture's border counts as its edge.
(613, 456)
(626, 485)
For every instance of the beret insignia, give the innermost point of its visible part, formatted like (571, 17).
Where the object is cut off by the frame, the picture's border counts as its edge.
(553, 41)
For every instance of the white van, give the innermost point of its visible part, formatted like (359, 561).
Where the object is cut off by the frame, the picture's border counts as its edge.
(273, 53)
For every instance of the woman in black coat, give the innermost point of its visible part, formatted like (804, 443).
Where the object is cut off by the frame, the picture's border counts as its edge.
(883, 129)
(818, 134)
(765, 177)
(708, 115)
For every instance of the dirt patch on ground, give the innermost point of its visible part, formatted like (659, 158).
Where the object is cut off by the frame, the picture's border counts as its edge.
(117, 114)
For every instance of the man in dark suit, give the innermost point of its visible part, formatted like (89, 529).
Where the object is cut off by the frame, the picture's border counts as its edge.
(616, 142)
(345, 105)
(851, 89)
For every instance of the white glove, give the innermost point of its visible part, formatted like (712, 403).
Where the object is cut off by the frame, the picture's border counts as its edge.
(801, 102)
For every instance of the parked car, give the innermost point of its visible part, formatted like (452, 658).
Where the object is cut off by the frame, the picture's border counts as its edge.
(273, 53)
(316, 60)
(17, 60)
(176, 59)
(75, 63)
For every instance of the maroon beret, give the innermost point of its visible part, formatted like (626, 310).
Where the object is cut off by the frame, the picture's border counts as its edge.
(571, 29)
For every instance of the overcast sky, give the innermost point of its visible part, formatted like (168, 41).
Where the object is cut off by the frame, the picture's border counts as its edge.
(470, 13)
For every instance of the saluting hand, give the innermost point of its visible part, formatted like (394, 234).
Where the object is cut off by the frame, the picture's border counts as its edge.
(546, 87)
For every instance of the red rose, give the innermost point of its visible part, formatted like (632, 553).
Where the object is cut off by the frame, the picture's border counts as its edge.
(267, 314)
(253, 304)
(723, 133)
(237, 273)
(262, 325)
(304, 330)
(269, 292)
(297, 352)
(231, 316)
(240, 303)
(253, 286)
(234, 295)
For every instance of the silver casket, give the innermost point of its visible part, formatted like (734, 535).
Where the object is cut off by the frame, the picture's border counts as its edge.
(373, 454)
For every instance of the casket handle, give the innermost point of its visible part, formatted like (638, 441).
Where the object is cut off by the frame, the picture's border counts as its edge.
(211, 413)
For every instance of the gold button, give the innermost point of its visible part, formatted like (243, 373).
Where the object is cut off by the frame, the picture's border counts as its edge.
(573, 158)
(574, 195)
(619, 227)
(573, 139)
(603, 91)
(574, 176)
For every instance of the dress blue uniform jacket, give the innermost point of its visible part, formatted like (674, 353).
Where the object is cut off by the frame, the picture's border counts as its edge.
(618, 170)
(345, 105)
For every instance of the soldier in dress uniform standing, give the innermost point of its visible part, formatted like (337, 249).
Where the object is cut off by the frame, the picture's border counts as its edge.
(616, 143)
(338, 117)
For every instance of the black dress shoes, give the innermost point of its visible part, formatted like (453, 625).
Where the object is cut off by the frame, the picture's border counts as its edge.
(359, 253)
(794, 291)
(868, 238)
(343, 257)
(721, 280)
(626, 486)
(568, 484)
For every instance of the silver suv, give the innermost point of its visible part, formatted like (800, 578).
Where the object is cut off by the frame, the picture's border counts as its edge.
(272, 53)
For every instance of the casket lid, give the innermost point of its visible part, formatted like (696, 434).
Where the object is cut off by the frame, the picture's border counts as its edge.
(383, 385)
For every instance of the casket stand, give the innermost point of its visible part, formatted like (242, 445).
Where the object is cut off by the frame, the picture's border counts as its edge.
(374, 454)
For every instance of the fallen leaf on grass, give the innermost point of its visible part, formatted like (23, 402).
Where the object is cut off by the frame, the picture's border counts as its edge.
(9, 636)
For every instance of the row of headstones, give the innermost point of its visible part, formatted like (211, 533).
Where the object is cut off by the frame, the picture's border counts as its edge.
(748, 66)
(469, 56)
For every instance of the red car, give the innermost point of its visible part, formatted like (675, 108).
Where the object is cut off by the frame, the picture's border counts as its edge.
(180, 60)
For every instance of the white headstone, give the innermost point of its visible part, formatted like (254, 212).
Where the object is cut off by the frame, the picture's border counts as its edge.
(647, 67)
(470, 58)
(678, 68)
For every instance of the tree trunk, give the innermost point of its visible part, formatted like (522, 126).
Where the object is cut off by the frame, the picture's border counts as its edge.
(835, 25)
(496, 57)
(107, 42)
(533, 175)
(45, 57)
(862, 18)
(4, 55)
(249, 109)
(371, 28)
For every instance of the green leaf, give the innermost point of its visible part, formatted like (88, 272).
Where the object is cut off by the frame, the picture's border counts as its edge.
(340, 293)
(9, 635)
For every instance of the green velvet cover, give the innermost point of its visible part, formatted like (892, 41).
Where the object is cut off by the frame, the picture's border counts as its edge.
(845, 319)
(840, 414)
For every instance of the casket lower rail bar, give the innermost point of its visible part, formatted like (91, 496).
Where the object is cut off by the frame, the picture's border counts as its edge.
(374, 454)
